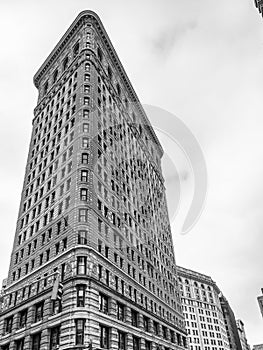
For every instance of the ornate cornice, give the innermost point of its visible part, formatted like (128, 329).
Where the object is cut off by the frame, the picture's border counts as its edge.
(259, 5)
(90, 15)
(196, 276)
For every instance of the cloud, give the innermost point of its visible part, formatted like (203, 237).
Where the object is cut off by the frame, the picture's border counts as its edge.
(167, 38)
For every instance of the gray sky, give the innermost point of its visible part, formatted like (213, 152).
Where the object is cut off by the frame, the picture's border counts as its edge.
(200, 60)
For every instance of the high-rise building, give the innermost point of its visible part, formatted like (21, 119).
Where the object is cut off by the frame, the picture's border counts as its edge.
(230, 323)
(258, 347)
(242, 335)
(92, 263)
(259, 5)
(202, 310)
(260, 301)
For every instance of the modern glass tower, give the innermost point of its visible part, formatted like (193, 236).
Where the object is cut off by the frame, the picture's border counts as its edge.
(92, 264)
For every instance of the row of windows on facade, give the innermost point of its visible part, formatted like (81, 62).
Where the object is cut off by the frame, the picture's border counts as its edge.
(48, 184)
(198, 347)
(44, 178)
(114, 186)
(207, 334)
(37, 315)
(105, 339)
(54, 154)
(41, 158)
(148, 254)
(192, 301)
(126, 108)
(135, 187)
(121, 129)
(99, 155)
(44, 204)
(57, 129)
(128, 220)
(60, 98)
(202, 325)
(105, 276)
(44, 257)
(66, 155)
(195, 340)
(47, 109)
(142, 279)
(190, 309)
(47, 218)
(64, 67)
(57, 135)
(47, 200)
(46, 237)
(201, 318)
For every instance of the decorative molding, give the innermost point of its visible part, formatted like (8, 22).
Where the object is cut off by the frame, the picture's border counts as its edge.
(94, 18)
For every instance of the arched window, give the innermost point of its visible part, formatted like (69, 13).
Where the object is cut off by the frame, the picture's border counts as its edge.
(65, 64)
(186, 281)
(76, 50)
(100, 55)
(118, 89)
(45, 87)
(109, 73)
(55, 75)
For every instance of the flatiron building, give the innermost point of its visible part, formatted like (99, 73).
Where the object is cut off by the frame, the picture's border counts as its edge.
(92, 264)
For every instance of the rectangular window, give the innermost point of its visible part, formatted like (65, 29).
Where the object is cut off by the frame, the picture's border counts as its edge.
(22, 318)
(80, 326)
(86, 113)
(19, 344)
(8, 324)
(81, 295)
(146, 323)
(81, 265)
(36, 340)
(156, 327)
(134, 318)
(86, 100)
(85, 142)
(56, 307)
(39, 310)
(148, 345)
(104, 337)
(83, 237)
(84, 176)
(83, 215)
(83, 194)
(103, 303)
(85, 127)
(84, 158)
(121, 340)
(86, 89)
(120, 311)
(86, 77)
(54, 337)
(136, 343)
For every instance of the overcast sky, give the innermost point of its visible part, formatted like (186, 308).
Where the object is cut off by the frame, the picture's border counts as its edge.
(198, 59)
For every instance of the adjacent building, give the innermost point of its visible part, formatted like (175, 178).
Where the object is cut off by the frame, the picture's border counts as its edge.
(242, 335)
(93, 264)
(230, 323)
(203, 313)
(260, 301)
(259, 5)
(258, 347)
